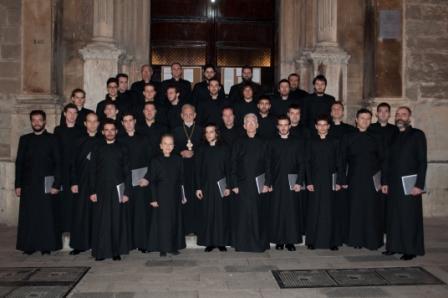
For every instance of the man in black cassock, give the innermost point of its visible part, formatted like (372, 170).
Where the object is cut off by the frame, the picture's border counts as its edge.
(281, 101)
(140, 155)
(111, 96)
(127, 96)
(318, 103)
(286, 157)
(146, 74)
(245, 105)
(183, 86)
(229, 132)
(110, 188)
(297, 130)
(236, 91)
(166, 233)
(38, 157)
(67, 135)
(112, 113)
(295, 92)
(209, 109)
(323, 166)
(150, 127)
(364, 156)
(250, 160)
(174, 107)
(266, 121)
(212, 165)
(80, 233)
(78, 98)
(187, 139)
(407, 157)
(150, 95)
(201, 90)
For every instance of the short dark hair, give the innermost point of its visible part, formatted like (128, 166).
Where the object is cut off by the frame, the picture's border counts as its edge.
(282, 81)
(321, 78)
(283, 117)
(322, 117)
(227, 108)
(38, 112)
(176, 63)
(294, 106)
(166, 135)
(70, 106)
(149, 84)
(78, 90)
(338, 103)
(247, 67)
(264, 97)
(293, 75)
(248, 85)
(214, 79)
(209, 66)
(112, 80)
(150, 103)
(109, 121)
(383, 105)
(121, 75)
(363, 111)
(127, 113)
(110, 103)
(173, 87)
(91, 113)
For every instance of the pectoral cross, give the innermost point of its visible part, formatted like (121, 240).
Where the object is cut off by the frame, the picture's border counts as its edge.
(189, 145)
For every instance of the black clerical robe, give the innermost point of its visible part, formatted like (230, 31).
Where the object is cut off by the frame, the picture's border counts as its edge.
(212, 165)
(267, 126)
(191, 210)
(323, 161)
(286, 157)
(210, 111)
(80, 233)
(364, 155)
(67, 138)
(173, 115)
(250, 160)
(280, 106)
(37, 157)
(405, 223)
(183, 86)
(299, 95)
(201, 93)
(230, 135)
(166, 232)
(314, 106)
(82, 114)
(111, 235)
(242, 108)
(153, 132)
(236, 91)
(140, 155)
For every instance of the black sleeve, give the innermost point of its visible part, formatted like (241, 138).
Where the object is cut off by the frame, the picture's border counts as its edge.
(56, 154)
(421, 159)
(20, 162)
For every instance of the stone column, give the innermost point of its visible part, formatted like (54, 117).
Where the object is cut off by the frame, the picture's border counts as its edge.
(101, 56)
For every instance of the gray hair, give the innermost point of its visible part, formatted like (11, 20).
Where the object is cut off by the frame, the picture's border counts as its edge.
(250, 115)
(186, 106)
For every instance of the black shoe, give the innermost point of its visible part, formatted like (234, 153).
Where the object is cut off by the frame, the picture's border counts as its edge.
(311, 246)
(116, 258)
(290, 247)
(75, 252)
(209, 248)
(163, 254)
(334, 248)
(175, 253)
(29, 252)
(407, 257)
(45, 252)
(99, 259)
(222, 248)
(279, 247)
(388, 253)
(143, 251)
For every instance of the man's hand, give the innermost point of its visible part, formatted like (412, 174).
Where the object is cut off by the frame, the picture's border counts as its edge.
(310, 187)
(18, 191)
(54, 191)
(296, 187)
(265, 189)
(338, 187)
(187, 153)
(236, 190)
(125, 199)
(385, 189)
(416, 191)
(227, 192)
(93, 198)
(74, 189)
(345, 186)
(154, 204)
(143, 182)
(199, 194)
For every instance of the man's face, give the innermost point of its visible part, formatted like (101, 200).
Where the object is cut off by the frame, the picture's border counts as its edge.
(383, 114)
(79, 99)
(128, 123)
(167, 145)
(149, 93)
(176, 71)
(112, 89)
(150, 112)
(210, 134)
(109, 132)
(172, 95)
(294, 82)
(37, 123)
(283, 89)
(188, 115)
(402, 118)
(92, 123)
(251, 124)
(110, 111)
(248, 93)
(71, 115)
(337, 112)
(319, 87)
(322, 127)
(283, 127)
(209, 73)
(146, 73)
(363, 121)
(264, 106)
(246, 74)
(294, 116)
(228, 117)
(214, 87)
(123, 84)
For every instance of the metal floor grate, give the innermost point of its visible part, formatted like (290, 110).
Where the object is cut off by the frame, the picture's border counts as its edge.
(323, 278)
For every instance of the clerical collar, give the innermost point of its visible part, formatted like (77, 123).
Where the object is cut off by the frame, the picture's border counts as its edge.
(149, 99)
(38, 133)
(284, 97)
(383, 124)
(284, 137)
(131, 133)
(150, 123)
(294, 125)
(230, 126)
(214, 97)
(80, 108)
(248, 101)
(92, 134)
(66, 125)
(110, 142)
(337, 123)
(188, 124)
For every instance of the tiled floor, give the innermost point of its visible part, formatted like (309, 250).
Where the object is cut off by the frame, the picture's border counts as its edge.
(195, 273)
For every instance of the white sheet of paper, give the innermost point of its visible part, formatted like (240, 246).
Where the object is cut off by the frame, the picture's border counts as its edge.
(377, 180)
(334, 178)
(409, 183)
(89, 156)
(184, 198)
(260, 180)
(166, 73)
(222, 185)
(138, 174)
(48, 184)
(292, 180)
(120, 191)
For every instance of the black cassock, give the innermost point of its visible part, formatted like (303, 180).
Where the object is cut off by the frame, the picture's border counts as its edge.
(364, 155)
(323, 160)
(82, 114)
(140, 155)
(183, 86)
(80, 233)
(67, 138)
(210, 110)
(314, 106)
(212, 165)
(201, 93)
(299, 95)
(37, 157)
(236, 91)
(405, 222)
(153, 133)
(242, 108)
(230, 135)
(111, 235)
(249, 160)
(191, 210)
(267, 126)
(286, 157)
(280, 106)
(166, 232)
